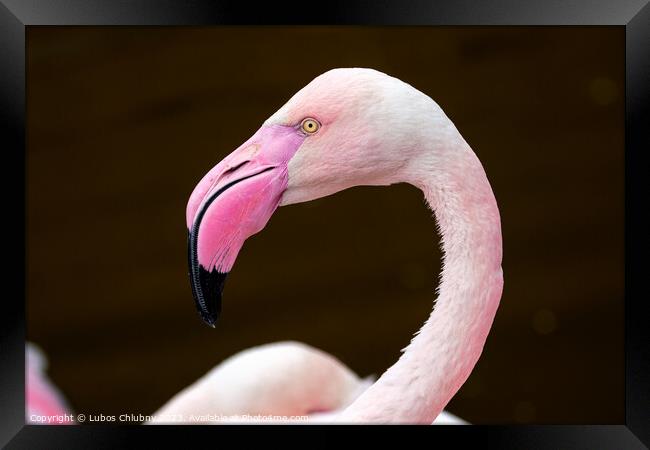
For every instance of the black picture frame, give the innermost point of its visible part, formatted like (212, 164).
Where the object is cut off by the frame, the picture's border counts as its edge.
(633, 15)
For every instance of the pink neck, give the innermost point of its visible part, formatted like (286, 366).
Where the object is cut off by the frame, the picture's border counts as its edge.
(443, 353)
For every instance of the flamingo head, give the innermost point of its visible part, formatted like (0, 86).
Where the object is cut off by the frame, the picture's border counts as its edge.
(345, 128)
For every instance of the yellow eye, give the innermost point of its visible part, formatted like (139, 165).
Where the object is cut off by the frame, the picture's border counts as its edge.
(310, 126)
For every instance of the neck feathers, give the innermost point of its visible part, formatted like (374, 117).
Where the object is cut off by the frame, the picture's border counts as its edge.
(444, 351)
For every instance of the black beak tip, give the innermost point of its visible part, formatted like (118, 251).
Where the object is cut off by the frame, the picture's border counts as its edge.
(207, 288)
(209, 319)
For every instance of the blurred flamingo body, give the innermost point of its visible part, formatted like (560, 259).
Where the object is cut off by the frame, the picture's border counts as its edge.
(43, 400)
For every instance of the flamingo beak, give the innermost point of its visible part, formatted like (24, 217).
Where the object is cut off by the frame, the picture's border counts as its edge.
(232, 202)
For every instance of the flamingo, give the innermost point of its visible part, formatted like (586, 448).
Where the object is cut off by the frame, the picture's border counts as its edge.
(351, 127)
(44, 402)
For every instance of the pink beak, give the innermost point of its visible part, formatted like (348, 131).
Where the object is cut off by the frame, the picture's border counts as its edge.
(232, 202)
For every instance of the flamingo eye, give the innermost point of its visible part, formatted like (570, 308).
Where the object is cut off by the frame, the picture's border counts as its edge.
(309, 125)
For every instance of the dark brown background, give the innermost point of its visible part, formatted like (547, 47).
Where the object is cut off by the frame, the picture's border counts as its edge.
(124, 121)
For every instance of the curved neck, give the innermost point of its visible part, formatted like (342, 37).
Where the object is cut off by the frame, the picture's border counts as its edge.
(443, 353)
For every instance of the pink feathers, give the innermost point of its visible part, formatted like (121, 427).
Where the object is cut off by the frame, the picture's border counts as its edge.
(44, 403)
